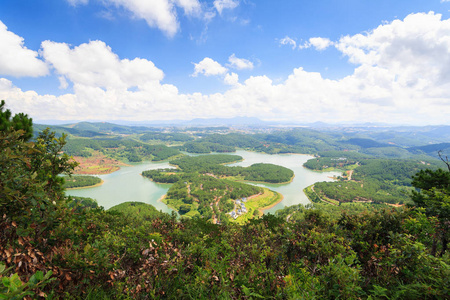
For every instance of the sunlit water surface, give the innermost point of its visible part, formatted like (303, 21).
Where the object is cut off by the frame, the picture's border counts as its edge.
(127, 184)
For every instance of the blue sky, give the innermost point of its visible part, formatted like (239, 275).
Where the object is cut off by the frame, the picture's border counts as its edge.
(294, 61)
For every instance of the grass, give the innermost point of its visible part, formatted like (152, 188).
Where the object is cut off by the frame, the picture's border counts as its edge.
(314, 197)
(263, 201)
(87, 186)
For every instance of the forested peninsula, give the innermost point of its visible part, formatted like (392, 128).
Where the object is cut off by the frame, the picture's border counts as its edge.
(74, 182)
(205, 186)
(54, 246)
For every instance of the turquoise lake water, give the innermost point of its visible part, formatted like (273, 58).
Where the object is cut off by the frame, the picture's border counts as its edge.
(127, 184)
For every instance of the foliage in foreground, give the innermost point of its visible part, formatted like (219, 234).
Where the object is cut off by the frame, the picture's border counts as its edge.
(125, 256)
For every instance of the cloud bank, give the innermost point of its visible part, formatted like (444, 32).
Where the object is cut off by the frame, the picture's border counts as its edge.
(401, 75)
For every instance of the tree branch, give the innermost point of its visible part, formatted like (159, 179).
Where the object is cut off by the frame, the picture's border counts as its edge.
(444, 159)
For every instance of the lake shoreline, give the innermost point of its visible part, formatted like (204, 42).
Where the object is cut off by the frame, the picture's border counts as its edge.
(281, 198)
(265, 182)
(87, 187)
(128, 184)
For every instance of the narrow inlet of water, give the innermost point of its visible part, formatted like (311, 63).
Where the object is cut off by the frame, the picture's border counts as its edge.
(127, 184)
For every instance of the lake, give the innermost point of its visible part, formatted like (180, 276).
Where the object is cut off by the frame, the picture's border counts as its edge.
(127, 184)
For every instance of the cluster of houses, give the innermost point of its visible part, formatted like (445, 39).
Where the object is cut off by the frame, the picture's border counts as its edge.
(239, 208)
(340, 158)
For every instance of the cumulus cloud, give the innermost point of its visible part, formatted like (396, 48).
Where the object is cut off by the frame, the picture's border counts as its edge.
(103, 84)
(416, 49)
(239, 63)
(220, 5)
(320, 43)
(95, 64)
(160, 14)
(16, 59)
(288, 41)
(208, 67)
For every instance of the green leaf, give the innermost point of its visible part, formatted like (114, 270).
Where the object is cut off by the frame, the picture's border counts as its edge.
(39, 275)
(47, 275)
(6, 282)
(15, 282)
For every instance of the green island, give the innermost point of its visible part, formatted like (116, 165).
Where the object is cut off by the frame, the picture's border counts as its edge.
(205, 186)
(74, 182)
(366, 178)
(356, 244)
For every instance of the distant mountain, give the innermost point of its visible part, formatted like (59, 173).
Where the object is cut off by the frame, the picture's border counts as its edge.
(430, 149)
(94, 129)
(366, 143)
(403, 136)
(59, 130)
(106, 127)
(236, 121)
(439, 132)
(318, 125)
(227, 122)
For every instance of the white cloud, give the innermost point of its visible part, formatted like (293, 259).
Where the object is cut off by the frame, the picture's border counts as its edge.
(220, 5)
(402, 77)
(16, 59)
(208, 67)
(239, 63)
(416, 50)
(157, 13)
(94, 64)
(231, 79)
(320, 43)
(288, 41)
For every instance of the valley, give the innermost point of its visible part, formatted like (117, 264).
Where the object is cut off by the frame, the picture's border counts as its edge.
(361, 173)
